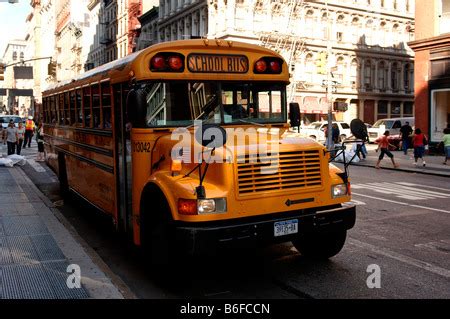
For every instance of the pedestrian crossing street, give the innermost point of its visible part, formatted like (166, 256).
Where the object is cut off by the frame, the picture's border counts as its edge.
(405, 190)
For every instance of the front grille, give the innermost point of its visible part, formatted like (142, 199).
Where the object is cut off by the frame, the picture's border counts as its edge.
(275, 172)
(373, 134)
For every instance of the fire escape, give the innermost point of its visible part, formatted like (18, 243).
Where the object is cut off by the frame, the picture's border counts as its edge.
(284, 40)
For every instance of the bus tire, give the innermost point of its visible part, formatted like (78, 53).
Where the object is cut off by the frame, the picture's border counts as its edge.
(320, 245)
(62, 176)
(156, 229)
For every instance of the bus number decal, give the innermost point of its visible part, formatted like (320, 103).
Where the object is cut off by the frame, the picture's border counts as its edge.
(142, 147)
(215, 63)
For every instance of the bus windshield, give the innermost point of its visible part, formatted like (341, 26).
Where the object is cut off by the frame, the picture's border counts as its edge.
(180, 103)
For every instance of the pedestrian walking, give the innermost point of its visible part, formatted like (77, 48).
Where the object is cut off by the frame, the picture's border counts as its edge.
(10, 137)
(419, 142)
(446, 141)
(29, 131)
(335, 133)
(20, 137)
(40, 141)
(383, 146)
(405, 132)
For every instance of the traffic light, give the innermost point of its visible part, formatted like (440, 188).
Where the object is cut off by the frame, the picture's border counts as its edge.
(52, 68)
(321, 63)
(2, 71)
(340, 106)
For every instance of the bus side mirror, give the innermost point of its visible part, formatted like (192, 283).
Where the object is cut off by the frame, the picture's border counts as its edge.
(137, 108)
(294, 114)
(211, 136)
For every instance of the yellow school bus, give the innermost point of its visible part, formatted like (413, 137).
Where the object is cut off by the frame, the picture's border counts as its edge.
(186, 145)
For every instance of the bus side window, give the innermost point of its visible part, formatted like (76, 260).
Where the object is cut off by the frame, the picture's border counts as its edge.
(61, 108)
(87, 106)
(66, 109)
(53, 112)
(96, 105)
(78, 101)
(106, 105)
(73, 110)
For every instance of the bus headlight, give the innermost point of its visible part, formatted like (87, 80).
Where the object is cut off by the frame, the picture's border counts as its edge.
(339, 190)
(212, 205)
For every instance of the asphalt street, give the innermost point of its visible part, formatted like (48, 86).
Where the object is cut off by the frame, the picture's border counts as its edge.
(402, 228)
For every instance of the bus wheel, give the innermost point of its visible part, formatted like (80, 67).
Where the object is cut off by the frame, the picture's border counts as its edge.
(156, 232)
(321, 245)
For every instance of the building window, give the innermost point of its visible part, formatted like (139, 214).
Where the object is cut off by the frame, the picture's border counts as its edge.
(406, 74)
(309, 23)
(383, 34)
(324, 26)
(395, 110)
(369, 32)
(395, 5)
(339, 36)
(355, 30)
(395, 36)
(444, 17)
(339, 75)
(382, 109)
(368, 75)
(382, 76)
(408, 109)
(354, 73)
(309, 68)
(14, 56)
(394, 77)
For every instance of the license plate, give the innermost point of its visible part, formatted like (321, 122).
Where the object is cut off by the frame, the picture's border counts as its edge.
(286, 227)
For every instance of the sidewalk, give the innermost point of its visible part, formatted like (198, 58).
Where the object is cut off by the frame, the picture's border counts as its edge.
(433, 166)
(36, 248)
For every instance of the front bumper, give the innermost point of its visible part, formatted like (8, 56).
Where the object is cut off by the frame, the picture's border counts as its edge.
(201, 237)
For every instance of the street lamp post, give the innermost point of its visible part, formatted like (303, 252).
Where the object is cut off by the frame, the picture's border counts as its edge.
(329, 83)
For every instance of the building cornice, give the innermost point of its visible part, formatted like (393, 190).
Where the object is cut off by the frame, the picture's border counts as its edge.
(430, 43)
(363, 10)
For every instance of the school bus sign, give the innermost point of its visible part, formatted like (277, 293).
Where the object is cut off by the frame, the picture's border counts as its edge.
(217, 63)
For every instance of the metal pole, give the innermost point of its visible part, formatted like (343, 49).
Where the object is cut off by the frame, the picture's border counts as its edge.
(329, 83)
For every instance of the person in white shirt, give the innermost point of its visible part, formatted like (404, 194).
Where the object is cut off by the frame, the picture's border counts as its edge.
(20, 137)
(10, 137)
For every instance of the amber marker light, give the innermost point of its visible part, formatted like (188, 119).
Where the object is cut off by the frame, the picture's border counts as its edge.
(187, 206)
(175, 167)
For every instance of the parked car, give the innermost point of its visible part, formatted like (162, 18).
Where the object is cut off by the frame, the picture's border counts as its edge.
(4, 120)
(316, 130)
(392, 125)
